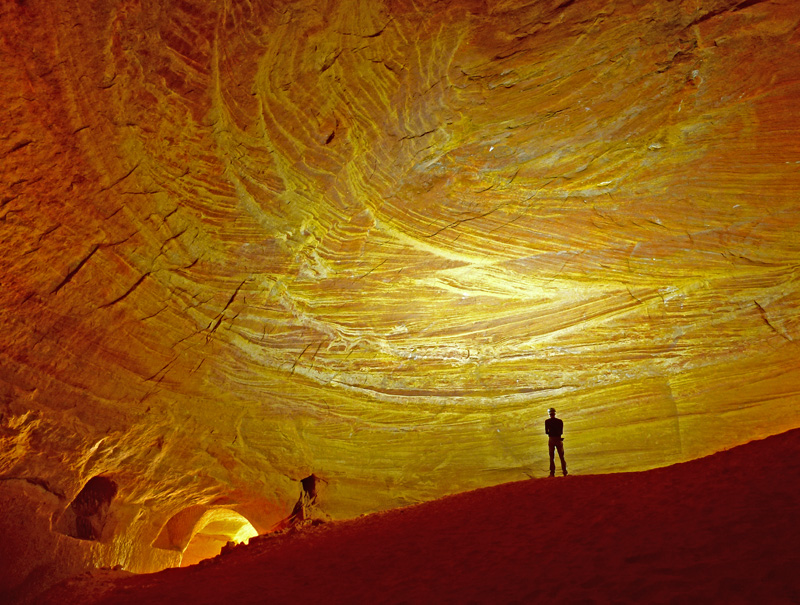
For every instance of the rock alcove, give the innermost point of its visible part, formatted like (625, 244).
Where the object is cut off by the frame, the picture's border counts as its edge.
(86, 516)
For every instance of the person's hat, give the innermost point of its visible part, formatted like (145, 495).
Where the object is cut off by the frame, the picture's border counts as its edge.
(551, 411)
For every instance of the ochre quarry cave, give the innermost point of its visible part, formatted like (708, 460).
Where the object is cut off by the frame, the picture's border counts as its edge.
(364, 245)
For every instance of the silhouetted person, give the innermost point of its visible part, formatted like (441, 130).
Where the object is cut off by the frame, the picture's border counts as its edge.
(554, 427)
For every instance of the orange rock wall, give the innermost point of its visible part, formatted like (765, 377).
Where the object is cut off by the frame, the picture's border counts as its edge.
(244, 242)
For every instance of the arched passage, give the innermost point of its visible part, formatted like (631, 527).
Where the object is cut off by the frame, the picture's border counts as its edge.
(200, 532)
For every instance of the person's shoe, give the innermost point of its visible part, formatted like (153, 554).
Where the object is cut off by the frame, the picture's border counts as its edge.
(566, 473)
(553, 474)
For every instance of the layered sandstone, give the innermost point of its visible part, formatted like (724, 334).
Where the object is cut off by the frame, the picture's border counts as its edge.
(248, 242)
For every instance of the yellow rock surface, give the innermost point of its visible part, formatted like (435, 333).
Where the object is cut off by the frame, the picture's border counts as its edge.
(245, 242)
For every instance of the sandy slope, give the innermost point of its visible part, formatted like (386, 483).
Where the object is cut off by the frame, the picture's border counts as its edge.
(723, 529)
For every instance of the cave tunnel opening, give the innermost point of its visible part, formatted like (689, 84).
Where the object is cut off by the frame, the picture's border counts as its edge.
(87, 515)
(200, 532)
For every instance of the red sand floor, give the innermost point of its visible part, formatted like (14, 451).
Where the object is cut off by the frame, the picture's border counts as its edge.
(723, 529)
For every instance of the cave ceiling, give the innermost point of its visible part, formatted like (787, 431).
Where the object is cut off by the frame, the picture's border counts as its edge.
(245, 242)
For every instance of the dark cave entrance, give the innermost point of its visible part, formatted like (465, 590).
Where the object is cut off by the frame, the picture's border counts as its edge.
(87, 515)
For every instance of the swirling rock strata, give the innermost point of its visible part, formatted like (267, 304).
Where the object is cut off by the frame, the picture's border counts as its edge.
(374, 241)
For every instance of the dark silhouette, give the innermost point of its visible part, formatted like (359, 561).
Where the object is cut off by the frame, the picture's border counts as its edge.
(305, 510)
(554, 427)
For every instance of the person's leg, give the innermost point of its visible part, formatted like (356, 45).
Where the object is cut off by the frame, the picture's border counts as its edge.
(560, 447)
(552, 446)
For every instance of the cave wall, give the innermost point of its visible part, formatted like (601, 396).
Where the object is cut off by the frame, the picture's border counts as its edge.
(245, 242)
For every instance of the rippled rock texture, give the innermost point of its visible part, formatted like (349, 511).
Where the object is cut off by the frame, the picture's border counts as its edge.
(248, 242)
